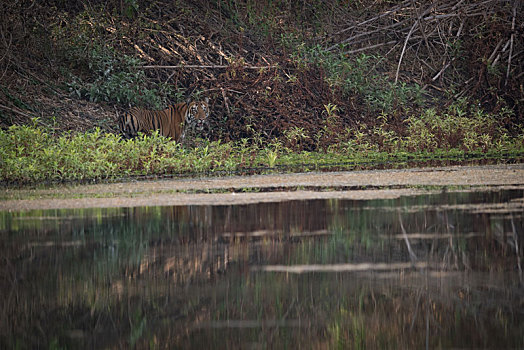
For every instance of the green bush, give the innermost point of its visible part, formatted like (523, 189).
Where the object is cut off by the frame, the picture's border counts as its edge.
(30, 154)
(359, 75)
(462, 127)
(118, 79)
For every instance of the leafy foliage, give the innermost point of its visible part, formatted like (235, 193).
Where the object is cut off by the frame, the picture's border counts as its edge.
(360, 76)
(30, 154)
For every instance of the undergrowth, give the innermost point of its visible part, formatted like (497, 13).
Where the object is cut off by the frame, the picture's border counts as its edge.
(97, 71)
(358, 75)
(30, 153)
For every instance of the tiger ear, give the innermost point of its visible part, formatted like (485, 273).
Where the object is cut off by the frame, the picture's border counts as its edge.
(188, 100)
(206, 100)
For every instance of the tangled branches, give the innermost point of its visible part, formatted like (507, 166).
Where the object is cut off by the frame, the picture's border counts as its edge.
(472, 44)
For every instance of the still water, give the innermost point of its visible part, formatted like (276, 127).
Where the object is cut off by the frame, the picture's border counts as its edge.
(441, 270)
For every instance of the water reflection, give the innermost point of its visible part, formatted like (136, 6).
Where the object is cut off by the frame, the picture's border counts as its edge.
(436, 271)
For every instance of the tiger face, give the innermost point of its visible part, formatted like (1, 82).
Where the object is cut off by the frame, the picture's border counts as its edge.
(128, 124)
(197, 114)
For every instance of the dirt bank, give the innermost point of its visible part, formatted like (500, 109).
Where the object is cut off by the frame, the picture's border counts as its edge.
(372, 184)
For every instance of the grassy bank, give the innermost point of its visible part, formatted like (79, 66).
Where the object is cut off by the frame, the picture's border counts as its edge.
(31, 154)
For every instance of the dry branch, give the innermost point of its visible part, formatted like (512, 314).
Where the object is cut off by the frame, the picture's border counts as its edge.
(365, 35)
(15, 110)
(393, 10)
(442, 70)
(370, 47)
(429, 9)
(404, 49)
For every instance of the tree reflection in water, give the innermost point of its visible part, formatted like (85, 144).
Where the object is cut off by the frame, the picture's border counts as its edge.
(438, 271)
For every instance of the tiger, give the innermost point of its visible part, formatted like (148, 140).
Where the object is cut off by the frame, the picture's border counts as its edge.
(171, 122)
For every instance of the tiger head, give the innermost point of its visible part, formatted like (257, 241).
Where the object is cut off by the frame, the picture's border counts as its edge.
(128, 123)
(197, 114)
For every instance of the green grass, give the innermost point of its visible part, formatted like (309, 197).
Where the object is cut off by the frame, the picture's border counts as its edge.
(32, 154)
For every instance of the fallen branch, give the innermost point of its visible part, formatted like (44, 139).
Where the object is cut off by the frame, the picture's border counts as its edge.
(370, 47)
(393, 10)
(494, 53)
(365, 34)
(442, 70)
(15, 111)
(221, 89)
(407, 39)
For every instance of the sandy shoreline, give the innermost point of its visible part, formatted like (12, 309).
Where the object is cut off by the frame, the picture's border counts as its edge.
(369, 184)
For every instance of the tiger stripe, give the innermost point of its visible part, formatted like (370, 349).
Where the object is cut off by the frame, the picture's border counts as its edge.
(170, 122)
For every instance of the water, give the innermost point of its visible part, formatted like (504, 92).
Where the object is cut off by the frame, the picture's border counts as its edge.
(428, 271)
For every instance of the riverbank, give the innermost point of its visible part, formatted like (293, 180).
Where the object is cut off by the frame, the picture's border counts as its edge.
(358, 185)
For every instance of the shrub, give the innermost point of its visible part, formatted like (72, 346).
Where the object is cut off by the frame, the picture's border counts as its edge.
(360, 76)
(459, 127)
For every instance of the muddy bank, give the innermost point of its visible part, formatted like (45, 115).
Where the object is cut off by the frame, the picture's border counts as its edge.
(372, 184)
